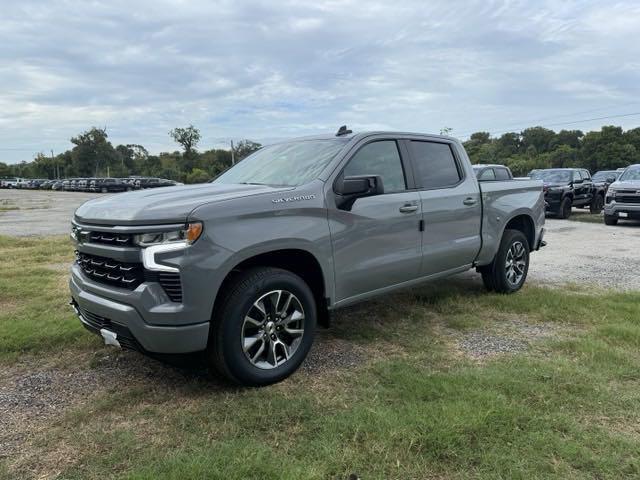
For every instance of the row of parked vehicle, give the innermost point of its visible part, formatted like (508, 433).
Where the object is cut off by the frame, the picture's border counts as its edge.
(617, 192)
(103, 185)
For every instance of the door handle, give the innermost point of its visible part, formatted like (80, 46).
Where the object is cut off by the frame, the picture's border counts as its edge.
(408, 208)
(469, 201)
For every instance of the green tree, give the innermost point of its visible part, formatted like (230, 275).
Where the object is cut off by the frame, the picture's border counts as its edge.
(188, 138)
(538, 138)
(198, 175)
(92, 154)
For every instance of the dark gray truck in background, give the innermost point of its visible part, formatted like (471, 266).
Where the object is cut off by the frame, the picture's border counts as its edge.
(246, 266)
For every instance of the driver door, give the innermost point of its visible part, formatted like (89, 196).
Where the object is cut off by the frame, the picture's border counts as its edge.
(377, 242)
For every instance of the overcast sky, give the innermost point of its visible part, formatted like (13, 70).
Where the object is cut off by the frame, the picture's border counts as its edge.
(265, 70)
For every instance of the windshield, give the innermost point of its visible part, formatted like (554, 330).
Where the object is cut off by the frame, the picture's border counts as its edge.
(284, 164)
(631, 173)
(602, 176)
(552, 176)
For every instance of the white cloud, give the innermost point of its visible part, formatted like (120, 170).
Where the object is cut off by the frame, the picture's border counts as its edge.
(265, 70)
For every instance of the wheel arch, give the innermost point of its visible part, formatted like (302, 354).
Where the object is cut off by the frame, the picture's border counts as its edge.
(300, 261)
(524, 223)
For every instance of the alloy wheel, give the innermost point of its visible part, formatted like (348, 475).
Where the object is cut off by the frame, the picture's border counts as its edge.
(272, 329)
(515, 263)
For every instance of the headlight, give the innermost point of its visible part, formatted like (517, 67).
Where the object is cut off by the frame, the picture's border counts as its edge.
(188, 235)
(611, 192)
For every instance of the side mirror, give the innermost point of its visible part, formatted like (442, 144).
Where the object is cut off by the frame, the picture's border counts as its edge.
(578, 180)
(611, 179)
(349, 189)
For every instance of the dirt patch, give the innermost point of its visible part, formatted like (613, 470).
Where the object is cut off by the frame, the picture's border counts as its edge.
(507, 337)
(32, 394)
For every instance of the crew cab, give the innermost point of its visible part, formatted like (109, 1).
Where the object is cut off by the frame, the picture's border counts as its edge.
(245, 267)
(623, 197)
(565, 188)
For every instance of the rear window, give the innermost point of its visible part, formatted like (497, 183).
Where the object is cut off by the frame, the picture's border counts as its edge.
(435, 165)
(502, 174)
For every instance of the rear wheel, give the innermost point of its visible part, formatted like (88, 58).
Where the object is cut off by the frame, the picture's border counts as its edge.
(565, 208)
(508, 271)
(610, 220)
(264, 327)
(597, 204)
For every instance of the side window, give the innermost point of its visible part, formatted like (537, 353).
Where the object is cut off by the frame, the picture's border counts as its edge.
(487, 174)
(586, 175)
(502, 174)
(379, 158)
(435, 164)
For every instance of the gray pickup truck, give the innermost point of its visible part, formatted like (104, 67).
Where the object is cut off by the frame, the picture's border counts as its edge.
(245, 267)
(623, 197)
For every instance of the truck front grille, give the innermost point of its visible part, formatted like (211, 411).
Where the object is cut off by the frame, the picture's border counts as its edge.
(106, 270)
(128, 275)
(105, 238)
(628, 199)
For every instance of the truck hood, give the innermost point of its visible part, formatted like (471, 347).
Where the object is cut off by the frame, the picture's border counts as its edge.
(162, 205)
(627, 184)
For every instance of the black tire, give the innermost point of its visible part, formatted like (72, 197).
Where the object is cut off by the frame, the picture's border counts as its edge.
(597, 204)
(494, 275)
(564, 211)
(610, 220)
(225, 352)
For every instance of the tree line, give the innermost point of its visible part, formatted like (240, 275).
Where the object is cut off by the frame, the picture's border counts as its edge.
(93, 155)
(540, 147)
(537, 147)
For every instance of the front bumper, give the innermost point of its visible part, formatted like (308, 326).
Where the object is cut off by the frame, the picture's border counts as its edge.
(122, 318)
(613, 209)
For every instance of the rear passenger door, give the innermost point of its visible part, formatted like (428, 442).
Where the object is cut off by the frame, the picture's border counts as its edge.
(377, 241)
(451, 206)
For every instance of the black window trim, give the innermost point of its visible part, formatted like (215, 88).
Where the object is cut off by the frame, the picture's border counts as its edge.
(456, 158)
(407, 172)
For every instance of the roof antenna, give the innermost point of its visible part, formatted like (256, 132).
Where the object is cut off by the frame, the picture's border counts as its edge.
(343, 131)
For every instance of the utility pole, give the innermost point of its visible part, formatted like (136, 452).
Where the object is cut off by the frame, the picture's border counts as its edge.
(233, 157)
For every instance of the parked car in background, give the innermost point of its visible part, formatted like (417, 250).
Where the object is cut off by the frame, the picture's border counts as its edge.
(153, 182)
(492, 173)
(623, 197)
(57, 185)
(565, 188)
(107, 185)
(35, 183)
(245, 267)
(604, 178)
(12, 182)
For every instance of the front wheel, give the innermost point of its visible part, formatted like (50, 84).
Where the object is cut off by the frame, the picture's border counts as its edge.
(508, 271)
(264, 327)
(564, 211)
(597, 204)
(610, 220)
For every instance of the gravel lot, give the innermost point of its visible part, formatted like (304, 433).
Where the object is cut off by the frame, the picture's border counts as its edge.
(35, 212)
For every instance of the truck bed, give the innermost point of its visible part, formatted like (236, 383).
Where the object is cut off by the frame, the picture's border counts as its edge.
(502, 201)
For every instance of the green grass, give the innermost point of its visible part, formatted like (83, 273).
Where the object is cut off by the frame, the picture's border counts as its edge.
(34, 315)
(416, 408)
(586, 216)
